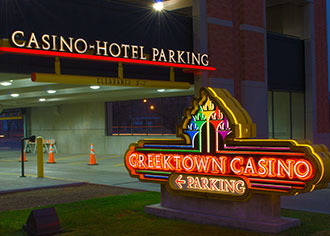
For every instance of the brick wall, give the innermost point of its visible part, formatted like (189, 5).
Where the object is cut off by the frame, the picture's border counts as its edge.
(237, 50)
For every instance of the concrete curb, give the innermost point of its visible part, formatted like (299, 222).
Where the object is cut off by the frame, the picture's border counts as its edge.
(42, 187)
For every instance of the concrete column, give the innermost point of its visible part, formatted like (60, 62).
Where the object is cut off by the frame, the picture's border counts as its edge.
(316, 74)
(200, 38)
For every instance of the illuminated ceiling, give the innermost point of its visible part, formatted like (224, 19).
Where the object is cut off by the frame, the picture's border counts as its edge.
(30, 92)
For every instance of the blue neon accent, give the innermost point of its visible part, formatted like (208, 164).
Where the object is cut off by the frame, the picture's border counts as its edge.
(156, 176)
(192, 134)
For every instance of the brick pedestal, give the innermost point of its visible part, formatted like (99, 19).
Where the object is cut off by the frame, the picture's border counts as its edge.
(261, 213)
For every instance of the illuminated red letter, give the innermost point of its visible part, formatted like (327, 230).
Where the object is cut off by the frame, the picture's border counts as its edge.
(303, 169)
(233, 165)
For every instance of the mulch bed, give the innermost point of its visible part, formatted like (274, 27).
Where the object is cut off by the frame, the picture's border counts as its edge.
(57, 195)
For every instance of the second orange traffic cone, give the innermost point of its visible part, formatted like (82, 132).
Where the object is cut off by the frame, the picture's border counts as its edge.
(51, 159)
(24, 158)
(92, 160)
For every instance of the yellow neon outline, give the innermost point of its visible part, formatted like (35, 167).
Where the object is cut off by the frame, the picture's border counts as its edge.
(295, 144)
(208, 135)
(230, 111)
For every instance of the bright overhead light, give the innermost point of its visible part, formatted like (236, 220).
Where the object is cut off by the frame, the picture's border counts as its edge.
(94, 87)
(15, 95)
(6, 83)
(42, 99)
(160, 90)
(158, 6)
(51, 91)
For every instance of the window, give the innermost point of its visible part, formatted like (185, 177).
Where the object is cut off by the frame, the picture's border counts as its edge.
(11, 129)
(286, 115)
(155, 116)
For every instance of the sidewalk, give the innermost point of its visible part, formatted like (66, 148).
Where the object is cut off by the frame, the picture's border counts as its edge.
(68, 169)
(316, 201)
(73, 169)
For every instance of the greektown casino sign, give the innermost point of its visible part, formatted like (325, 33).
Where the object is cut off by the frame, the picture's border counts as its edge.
(215, 156)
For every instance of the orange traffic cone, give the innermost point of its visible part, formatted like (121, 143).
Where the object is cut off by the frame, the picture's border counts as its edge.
(24, 158)
(92, 157)
(51, 155)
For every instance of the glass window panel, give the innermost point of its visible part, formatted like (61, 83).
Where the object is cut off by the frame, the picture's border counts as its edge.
(298, 115)
(11, 129)
(153, 116)
(281, 115)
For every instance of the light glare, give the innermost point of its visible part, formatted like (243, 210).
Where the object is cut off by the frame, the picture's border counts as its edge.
(158, 6)
(6, 83)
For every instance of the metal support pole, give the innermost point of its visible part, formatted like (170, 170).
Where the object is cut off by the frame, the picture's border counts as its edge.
(57, 66)
(120, 70)
(40, 157)
(22, 156)
(172, 74)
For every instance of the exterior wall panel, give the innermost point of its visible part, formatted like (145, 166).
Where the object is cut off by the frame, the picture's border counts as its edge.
(252, 12)
(253, 53)
(220, 9)
(221, 52)
(321, 63)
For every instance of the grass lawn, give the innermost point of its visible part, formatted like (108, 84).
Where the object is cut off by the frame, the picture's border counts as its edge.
(124, 215)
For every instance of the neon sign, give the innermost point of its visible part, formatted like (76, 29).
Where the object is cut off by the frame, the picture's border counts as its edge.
(216, 156)
(79, 48)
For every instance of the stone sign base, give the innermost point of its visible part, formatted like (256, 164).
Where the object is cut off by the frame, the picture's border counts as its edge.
(261, 213)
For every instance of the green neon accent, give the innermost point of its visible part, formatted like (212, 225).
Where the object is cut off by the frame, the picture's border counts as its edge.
(169, 150)
(153, 172)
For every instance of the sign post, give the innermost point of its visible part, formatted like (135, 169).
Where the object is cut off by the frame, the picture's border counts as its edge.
(217, 173)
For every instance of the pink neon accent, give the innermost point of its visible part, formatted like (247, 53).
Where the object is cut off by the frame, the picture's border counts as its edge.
(263, 153)
(271, 186)
(259, 148)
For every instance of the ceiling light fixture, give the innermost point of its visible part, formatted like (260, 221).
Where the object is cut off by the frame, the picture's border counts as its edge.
(160, 90)
(15, 95)
(42, 99)
(51, 91)
(6, 83)
(94, 87)
(158, 5)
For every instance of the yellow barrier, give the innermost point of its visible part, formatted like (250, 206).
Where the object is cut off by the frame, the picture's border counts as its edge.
(40, 157)
(107, 81)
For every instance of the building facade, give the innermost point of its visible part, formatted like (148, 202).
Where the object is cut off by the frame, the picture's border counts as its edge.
(271, 55)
